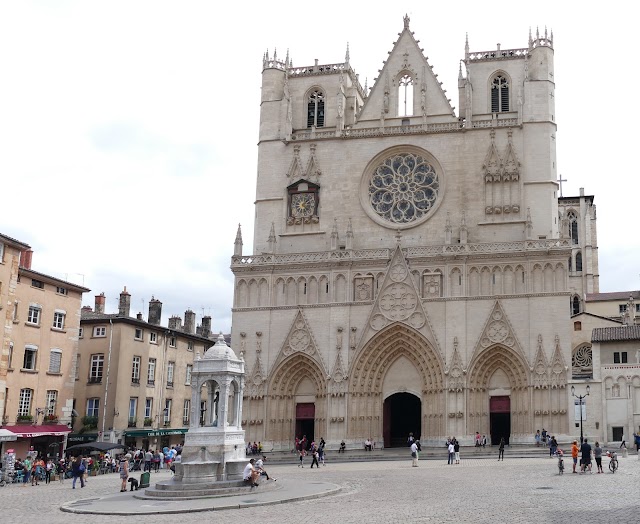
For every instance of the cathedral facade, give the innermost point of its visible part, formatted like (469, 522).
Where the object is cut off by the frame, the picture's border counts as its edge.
(412, 268)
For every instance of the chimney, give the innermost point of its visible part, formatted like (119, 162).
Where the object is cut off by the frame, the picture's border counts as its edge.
(25, 258)
(206, 326)
(155, 311)
(100, 300)
(124, 305)
(582, 191)
(139, 316)
(175, 322)
(86, 309)
(189, 322)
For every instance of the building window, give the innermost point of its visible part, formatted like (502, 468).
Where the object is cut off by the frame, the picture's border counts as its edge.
(97, 365)
(186, 410)
(10, 360)
(405, 96)
(315, 109)
(499, 94)
(100, 331)
(190, 345)
(582, 362)
(58, 319)
(167, 412)
(577, 326)
(575, 305)
(34, 315)
(170, 368)
(148, 405)
(578, 261)
(622, 308)
(80, 332)
(50, 406)
(24, 407)
(55, 360)
(187, 380)
(37, 283)
(135, 370)
(153, 337)
(573, 227)
(620, 357)
(133, 410)
(61, 290)
(93, 407)
(172, 342)
(29, 361)
(151, 372)
(139, 334)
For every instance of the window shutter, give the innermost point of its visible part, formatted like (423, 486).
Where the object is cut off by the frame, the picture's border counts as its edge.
(55, 361)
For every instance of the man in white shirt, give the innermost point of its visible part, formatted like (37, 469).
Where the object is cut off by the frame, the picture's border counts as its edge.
(260, 468)
(250, 474)
(414, 454)
(451, 450)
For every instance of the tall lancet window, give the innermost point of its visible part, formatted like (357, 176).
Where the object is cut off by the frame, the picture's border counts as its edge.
(573, 227)
(499, 94)
(405, 96)
(315, 109)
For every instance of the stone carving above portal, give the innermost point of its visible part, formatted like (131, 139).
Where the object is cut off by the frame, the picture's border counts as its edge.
(363, 288)
(299, 338)
(497, 330)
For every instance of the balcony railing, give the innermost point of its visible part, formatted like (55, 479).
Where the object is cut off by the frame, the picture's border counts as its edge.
(95, 380)
(135, 381)
(132, 423)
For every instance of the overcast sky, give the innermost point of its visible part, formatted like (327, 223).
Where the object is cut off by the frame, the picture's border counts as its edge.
(128, 129)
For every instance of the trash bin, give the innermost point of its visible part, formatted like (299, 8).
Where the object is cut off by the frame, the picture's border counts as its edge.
(144, 480)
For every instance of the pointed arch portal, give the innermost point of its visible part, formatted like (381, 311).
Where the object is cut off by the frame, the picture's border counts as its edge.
(401, 417)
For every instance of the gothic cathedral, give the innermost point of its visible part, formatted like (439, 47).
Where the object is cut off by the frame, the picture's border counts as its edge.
(411, 269)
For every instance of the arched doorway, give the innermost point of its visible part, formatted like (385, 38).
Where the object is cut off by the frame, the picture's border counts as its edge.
(499, 418)
(401, 414)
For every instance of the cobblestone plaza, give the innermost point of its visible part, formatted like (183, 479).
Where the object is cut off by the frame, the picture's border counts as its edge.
(478, 490)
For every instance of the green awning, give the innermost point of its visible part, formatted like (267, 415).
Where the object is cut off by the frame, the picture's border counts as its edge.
(155, 432)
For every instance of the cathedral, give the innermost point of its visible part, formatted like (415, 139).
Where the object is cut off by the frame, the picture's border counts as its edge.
(414, 268)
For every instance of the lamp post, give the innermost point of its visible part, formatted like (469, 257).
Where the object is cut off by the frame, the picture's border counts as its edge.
(580, 398)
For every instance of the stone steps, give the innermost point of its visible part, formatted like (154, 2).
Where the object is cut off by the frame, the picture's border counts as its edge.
(170, 490)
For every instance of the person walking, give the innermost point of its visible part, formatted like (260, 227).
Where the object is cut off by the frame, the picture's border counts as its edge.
(48, 469)
(414, 454)
(301, 452)
(321, 447)
(77, 469)
(124, 472)
(456, 449)
(501, 449)
(537, 438)
(62, 469)
(597, 454)
(574, 454)
(451, 449)
(553, 447)
(314, 460)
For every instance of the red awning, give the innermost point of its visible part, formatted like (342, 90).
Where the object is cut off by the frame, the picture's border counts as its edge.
(28, 431)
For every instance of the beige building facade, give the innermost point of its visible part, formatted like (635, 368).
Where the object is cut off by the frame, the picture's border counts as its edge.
(133, 378)
(40, 343)
(413, 268)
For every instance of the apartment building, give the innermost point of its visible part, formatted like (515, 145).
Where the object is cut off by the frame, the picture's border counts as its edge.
(39, 347)
(133, 378)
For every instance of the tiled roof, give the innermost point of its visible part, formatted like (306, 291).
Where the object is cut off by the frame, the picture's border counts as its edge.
(614, 334)
(8, 239)
(616, 295)
(71, 285)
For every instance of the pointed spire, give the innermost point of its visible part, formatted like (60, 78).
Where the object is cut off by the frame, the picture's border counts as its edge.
(529, 224)
(366, 88)
(463, 229)
(551, 37)
(275, 54)
(406, 21)
(346, 56)
(545, 32)
(537, 33)
(460, 70)
(530, 38)
(286, 60)
(349, 239)
(272, 239)
(334, 235)
(237, 245)
(447, 230)
(466, 45)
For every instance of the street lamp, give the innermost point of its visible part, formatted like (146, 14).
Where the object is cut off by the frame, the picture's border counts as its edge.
(580, 398)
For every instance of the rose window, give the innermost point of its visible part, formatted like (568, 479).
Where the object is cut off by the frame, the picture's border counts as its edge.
(403, 188)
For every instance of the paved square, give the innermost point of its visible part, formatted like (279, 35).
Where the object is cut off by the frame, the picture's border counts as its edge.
(478, 491)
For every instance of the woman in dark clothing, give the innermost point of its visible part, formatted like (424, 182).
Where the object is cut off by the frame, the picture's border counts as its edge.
(501, 449)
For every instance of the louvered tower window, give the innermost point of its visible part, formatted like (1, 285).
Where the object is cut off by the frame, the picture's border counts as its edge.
(499, 95)
(315, 109)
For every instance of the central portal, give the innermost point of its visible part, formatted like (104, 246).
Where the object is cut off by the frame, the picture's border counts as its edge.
(401, 416)
(500, 419)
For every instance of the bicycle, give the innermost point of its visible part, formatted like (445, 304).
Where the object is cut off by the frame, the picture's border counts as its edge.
(613, 463)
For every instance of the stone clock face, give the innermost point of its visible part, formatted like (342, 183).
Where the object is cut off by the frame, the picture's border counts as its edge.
(303, 205)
